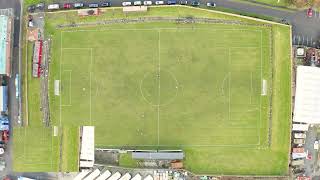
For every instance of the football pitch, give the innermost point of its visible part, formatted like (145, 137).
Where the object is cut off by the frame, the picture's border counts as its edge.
(167, 87)
(220, 92)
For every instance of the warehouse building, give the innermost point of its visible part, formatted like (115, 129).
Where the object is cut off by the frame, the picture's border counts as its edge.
(307, 98)
(6, 23)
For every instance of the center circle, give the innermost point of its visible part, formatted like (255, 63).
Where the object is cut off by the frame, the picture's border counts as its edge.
(159, 88)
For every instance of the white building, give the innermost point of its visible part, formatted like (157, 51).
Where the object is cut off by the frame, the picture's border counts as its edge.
(307, 99)
(87, 147)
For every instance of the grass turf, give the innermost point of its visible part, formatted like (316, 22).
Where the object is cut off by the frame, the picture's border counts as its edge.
(186, 56)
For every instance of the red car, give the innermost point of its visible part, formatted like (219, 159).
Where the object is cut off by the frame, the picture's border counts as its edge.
(67, 6)
(309, 12)
(5, 136)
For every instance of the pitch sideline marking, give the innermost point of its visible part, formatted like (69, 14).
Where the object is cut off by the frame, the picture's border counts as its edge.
(70, 87)
(159, 82)
(159, 57)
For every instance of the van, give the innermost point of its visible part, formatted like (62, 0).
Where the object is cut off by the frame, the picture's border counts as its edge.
(147, 3)
(93, 5)
(137, 3)
(78, 5)
(299, 141)
(159, 2)
(127, 3)
(53, 6)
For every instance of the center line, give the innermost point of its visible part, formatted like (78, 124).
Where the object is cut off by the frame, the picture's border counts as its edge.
(159, 87)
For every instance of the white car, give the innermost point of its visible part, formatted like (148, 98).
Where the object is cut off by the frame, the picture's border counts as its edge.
(211, 4)
(147, 3)
(126, 3)
(137, 3)
(159, 2)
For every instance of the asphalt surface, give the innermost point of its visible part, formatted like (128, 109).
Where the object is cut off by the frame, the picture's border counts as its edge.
(13, 103)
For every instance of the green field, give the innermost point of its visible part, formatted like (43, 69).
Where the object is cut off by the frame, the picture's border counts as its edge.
(195, 87)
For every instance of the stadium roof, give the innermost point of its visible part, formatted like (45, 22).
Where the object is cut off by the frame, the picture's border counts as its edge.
(5, 33)
(87, 143)
(307, 99)
(158, 155)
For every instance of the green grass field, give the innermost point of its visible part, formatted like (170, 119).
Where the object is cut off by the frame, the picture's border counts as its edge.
(195, 87)
(146, 87)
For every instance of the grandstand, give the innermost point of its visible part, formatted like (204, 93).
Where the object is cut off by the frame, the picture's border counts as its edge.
(5, 44)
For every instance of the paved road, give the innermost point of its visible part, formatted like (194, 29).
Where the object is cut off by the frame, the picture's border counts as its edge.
(13, 103)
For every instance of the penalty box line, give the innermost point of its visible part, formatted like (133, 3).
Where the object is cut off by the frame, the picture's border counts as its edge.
(261, 67)
(90, 76)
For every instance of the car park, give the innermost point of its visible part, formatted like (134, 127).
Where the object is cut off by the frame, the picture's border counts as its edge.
(147, 3)
(195, 3)
(105, 4)
(159, 2)
(171, 2)
(211, 4)
(137, 3)
(78, 5)
(127, 3)
(67, 6)
(183, 2)
(93, 5)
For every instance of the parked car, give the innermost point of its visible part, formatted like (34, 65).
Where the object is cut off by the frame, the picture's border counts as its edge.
(105, 4)
(78, 5)
(195, 3)
(93, 5)
(147, 3)
(40, 6)
(31, 8)
(211, 4)
(299, 141)
(300, 135)
(127, 3)
(309, 12)
(183, 2)
(159, 2)
(137, 3)
(67, 6)
(53, 6)
(171, 2)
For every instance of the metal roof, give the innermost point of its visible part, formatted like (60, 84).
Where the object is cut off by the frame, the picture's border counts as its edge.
(3, 43)
(307, 99)
(158, 155)
(87, 143)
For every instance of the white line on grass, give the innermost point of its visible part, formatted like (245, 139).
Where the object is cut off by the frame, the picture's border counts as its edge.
(90, 85)
(229, 61)
(155, 29)
(60, 108)
(159, 82)
(188, 145)
(251, 87)
(261, 65)
(70, 92)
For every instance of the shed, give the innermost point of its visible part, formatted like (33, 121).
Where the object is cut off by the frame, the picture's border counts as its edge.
(137, 177)
(158, 155)
(104, 175)
(3, 98)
